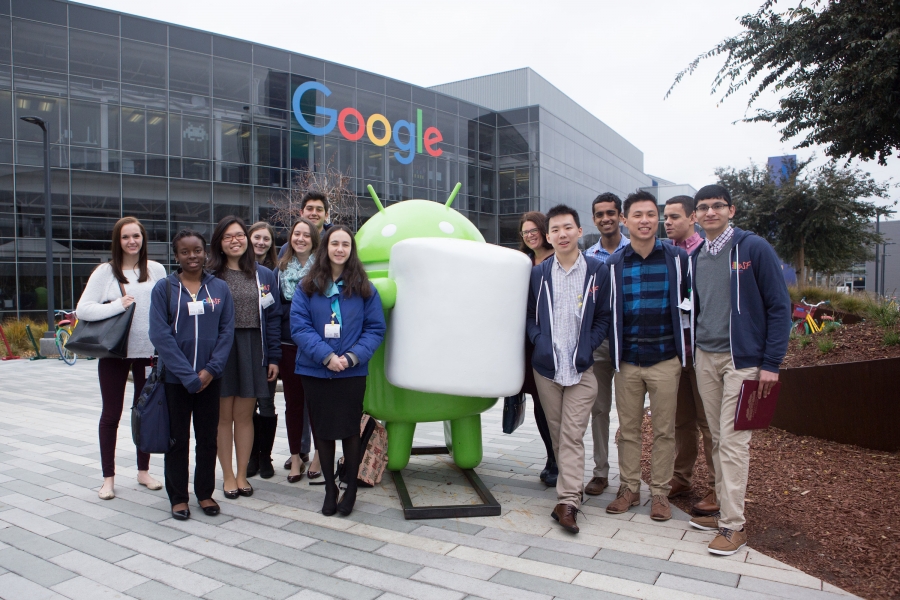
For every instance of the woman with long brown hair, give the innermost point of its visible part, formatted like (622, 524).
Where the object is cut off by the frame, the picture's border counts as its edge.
(533, 236)
(128, 278)
(262, 240)
(294, 265)
(256, 351)
(337, 324)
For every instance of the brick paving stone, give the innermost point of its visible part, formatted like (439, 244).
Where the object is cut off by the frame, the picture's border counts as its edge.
(57, 538)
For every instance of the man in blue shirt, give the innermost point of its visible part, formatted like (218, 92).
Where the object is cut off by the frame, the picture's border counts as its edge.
(607, 214)
(650, 286)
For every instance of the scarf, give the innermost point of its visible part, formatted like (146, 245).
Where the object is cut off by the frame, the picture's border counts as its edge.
(292, 275)
(334, 292)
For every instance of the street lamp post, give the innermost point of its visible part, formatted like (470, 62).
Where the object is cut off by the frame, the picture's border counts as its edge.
(48, 226)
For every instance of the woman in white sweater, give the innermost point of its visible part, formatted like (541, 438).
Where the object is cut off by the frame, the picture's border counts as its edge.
(114, 286)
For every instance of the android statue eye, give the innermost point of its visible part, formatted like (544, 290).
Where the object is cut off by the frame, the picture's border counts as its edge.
(389, 230)
(446, 227)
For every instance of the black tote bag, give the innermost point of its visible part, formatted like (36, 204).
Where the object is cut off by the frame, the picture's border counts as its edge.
(103, 339)
(513, 412)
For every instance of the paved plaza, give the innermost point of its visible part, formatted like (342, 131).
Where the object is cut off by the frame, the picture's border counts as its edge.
(58, 540)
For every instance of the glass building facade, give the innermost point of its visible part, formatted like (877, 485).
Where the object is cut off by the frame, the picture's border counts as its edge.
(180, 127)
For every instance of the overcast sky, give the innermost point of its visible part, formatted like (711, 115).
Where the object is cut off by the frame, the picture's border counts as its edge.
(616, 59)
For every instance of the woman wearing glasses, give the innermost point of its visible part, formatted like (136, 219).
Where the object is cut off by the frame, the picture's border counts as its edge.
(533, 231)
(256, 351)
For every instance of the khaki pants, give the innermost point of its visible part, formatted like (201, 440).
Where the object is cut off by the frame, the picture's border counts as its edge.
(568, 409)
(689, 416)
(604, 372)
(720, 386)
(632, 383)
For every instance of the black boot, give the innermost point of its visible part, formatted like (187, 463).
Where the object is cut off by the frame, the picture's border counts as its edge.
(253, 463)
(267, 427)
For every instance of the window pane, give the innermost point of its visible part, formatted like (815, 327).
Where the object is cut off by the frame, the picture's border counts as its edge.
(232, 142)
(30, 191)
(156, 132)
(144, 64)
(95, 195)
(195, 136)
(231, 79)
(94, 124)
(43, 82)
(144, 197)
(189, 201)
(270, 88)
(93, 55)
(189, 72)
(52, 110)
(271, 147)
(94, 159)
(6, 188)
(95, 90)
(507, 180)
(6, 115)
(93, 229)
(40, 46)
(5, 41)
(231, 200)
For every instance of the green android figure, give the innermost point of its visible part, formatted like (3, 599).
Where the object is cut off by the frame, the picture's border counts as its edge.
(401, 408)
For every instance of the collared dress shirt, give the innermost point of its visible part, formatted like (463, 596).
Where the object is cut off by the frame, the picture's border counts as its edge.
(691, 243)
(716, 245)
(568, 290)
(602, 254)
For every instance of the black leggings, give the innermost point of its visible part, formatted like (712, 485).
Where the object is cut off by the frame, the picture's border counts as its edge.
(326, 450)
(113, 374)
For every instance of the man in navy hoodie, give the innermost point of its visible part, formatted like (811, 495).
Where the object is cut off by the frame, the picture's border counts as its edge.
(742, 322)
(650, 282)
(567, 319)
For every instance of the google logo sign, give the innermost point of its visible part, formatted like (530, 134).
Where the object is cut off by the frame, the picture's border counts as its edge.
(417, 139)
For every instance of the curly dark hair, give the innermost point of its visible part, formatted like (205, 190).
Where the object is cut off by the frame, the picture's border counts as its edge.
(355, 279)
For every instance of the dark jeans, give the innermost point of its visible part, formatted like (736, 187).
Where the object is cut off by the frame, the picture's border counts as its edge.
(113, 374)
(204, 406)
(293, 398)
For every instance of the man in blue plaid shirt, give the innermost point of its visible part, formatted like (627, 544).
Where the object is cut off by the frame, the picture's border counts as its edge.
(650, 287)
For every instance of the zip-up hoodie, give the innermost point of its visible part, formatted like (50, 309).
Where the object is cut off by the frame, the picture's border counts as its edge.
(269, 317)
(191, 344)
(760, 304)
(362, 331)
(594, 317)
(679, 289)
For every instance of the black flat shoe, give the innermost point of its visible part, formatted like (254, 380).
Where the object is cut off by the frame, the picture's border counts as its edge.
(329, 507)
(314, 474)
(294, 478)
(231, 494)
(181, 515)
(211, 510)
(246, 492)
(345, 504)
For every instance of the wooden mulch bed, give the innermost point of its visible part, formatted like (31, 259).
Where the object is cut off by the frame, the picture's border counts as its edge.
(852, 343)
(831, 510)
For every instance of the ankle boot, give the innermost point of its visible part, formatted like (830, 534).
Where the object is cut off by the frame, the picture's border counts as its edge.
(253, 463)
(329, 507)
(348, 499)
(267, 427)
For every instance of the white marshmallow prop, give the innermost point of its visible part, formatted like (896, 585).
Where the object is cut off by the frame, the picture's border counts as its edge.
(458, 326)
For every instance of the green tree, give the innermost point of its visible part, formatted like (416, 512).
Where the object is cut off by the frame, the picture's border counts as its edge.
(837, 61)
(817, 218)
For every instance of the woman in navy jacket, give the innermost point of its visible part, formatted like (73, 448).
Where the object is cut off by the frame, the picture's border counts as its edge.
(192, 329)
(256, 351)
(337, 323)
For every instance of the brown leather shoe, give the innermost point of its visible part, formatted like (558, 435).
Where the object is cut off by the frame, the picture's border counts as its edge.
(625, 499)
(565, 514)
(728, 542)
(678, 489)
(708, 506)
(596, 486)
(659, 509)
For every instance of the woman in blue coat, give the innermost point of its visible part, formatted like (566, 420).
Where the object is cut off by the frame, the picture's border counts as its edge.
(256, 351)
(337, 323)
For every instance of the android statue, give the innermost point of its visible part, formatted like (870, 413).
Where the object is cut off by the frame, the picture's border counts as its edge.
(455, 308)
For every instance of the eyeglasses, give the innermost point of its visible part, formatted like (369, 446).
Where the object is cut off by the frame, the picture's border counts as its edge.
(530, 232)
(237, 236)
(703, 208)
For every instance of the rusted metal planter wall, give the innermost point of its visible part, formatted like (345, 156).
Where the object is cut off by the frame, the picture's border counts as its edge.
(851, 403)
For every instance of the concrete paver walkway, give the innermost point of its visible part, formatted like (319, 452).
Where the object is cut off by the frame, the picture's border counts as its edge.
(58, 540)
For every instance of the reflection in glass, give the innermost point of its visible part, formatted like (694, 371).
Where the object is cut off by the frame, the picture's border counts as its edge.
(6, 114)
(270, 88)
(231, 80)
(189, 201)
(144, 197)
(232, 143)
(53, 111)
(189, 72)
(30, 191)
(232, 200)
(94, 124)
(40, 46)
(93, 55)
(95, 195)
(144, 64)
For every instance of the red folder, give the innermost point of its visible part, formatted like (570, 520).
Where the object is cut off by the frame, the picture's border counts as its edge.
(754, 411)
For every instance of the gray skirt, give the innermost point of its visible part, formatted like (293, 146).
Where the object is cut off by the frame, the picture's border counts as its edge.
(245, 374)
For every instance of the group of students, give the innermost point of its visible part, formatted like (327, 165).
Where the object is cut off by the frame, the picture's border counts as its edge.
(225, 325)
(685, 322)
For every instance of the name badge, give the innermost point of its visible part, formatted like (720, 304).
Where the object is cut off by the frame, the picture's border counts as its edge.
(196, 308)
(685, 321)
(332, 331)
(686, 304)
(266, 301)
